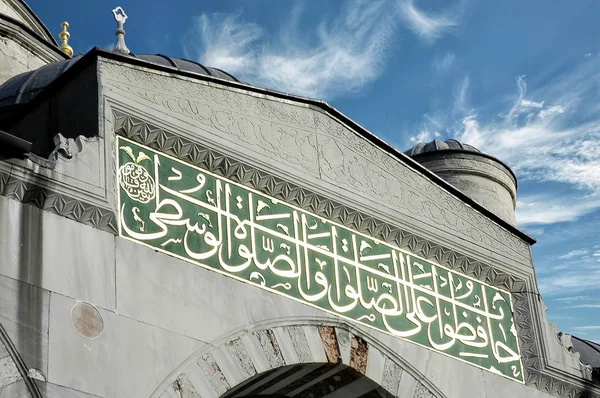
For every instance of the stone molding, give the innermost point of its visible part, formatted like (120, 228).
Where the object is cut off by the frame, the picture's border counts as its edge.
(209, 373)
(29, 192)
(52, 184)
(31, 20)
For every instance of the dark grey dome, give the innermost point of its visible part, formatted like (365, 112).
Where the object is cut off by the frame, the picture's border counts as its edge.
(186, 65)
(588, 350)
(22, 88)
(439, 145)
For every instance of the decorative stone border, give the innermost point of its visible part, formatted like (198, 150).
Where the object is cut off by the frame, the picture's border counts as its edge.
(29, 193)
(222, 370)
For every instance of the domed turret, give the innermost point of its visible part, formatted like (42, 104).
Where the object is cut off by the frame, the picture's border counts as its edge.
(481, 177)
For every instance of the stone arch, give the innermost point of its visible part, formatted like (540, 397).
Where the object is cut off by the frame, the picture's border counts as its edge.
(214, 371)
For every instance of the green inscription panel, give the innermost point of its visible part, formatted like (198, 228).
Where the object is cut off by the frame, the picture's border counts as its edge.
(187, 212)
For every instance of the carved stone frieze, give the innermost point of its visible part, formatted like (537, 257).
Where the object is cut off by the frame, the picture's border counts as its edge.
(29, 193)
(257, 125)
(287, 134)
(352, 165)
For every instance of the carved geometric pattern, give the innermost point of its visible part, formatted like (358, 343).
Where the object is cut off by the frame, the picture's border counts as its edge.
(29, 193)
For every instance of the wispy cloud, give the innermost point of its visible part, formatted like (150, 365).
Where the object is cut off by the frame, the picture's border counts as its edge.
(574, 253)
(571, 278)
(227, 41)
(429, 26)
(585, 306)
(338, 56)
(571, 299)
(550, 136)
(543, 209)
(570, 281)
(424, 136)
(444, 64)
(586, 328)
(334, 57)
(460, 95)
(588, 301)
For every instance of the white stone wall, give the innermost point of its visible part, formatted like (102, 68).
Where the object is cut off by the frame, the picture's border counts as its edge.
(15, 59)
(158, 312)
(6, 8)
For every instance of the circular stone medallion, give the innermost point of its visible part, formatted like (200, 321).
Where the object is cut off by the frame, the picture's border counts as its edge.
(87, 321)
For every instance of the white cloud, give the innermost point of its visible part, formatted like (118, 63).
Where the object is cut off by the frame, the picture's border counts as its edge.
(424, 136)
(540, 209)
(586, 306)
(428, 26)
(571, 299)
(461, 92)
(536, 231)
(591, 327)
(228, 42)
(551, 111)
(336, 57)
(445, 64)
(551, 136)
(569, 281)
(574, 253)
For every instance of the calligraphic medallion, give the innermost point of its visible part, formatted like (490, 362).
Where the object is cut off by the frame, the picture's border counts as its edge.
(190, 213)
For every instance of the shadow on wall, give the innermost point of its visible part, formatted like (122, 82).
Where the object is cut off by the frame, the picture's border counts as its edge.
(23, 316)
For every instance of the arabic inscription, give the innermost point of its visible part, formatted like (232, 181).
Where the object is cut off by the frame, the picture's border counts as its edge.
(182, 210)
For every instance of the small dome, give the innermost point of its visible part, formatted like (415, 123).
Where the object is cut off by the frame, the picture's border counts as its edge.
(481, 177)
(439, 145)
(22, 88)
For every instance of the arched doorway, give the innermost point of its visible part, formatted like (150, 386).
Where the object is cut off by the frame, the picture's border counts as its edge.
(311, 359)
(311, 380)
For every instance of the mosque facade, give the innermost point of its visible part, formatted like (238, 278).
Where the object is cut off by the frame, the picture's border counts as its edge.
(167, 230)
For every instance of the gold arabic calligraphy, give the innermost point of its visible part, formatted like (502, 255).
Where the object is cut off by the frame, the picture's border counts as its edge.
(199, 217)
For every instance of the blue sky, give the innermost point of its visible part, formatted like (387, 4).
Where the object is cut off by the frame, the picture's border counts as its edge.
(519, 80)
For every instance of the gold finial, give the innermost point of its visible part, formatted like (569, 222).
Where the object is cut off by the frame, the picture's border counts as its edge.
(64, 38)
